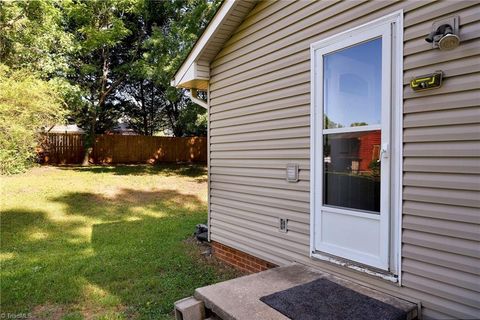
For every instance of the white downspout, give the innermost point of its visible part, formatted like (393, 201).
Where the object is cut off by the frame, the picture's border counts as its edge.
(192, 94)
(208, 167)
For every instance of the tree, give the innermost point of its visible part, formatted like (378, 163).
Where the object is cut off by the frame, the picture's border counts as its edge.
(27, 103)
(193, 118)
(358, 124)
(329, 124)
(32, 37)
(150, 110)
(107, 40)
(143, 104)
(105, 59)
(34, 58)
(165, 48)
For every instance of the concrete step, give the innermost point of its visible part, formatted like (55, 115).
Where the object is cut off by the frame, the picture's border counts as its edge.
(239, 299)
(189, 309)
(193, 309)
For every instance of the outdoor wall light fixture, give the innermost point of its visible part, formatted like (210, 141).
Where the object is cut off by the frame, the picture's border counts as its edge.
(445, 34)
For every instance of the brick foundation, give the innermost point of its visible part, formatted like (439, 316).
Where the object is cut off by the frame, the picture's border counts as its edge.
(239, 259)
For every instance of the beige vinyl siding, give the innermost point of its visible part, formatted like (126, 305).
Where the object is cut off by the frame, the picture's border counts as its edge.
(232, 23)
(203, 70)
(259, 122)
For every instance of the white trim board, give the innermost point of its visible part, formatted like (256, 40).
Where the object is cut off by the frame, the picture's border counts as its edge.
(395, 20)
(193, 56)
(194, 73)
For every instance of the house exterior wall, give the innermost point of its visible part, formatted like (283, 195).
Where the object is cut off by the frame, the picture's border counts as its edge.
(259, 122)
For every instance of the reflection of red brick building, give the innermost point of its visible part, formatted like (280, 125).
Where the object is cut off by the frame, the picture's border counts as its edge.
(369, 149)
(352, 152)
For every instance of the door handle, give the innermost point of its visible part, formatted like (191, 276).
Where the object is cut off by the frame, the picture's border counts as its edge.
(384, 152)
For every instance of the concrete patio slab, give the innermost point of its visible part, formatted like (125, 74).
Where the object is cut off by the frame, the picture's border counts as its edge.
(238, 299)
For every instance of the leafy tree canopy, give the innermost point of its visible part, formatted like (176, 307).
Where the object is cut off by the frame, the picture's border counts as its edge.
(104, 60)
(32, 37)
(27, 104)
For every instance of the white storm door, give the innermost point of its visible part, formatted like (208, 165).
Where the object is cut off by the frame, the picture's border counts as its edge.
(352, 83)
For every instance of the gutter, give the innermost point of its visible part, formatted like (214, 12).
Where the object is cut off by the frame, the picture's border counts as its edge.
(193, 95)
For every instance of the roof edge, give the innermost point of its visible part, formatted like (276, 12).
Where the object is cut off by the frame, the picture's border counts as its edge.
(220, 16)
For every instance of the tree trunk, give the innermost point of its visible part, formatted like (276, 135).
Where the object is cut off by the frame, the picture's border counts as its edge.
(87, 154)
(144, 109)
(90, 138)
(152, 111)
(89, 143)
(86, 157)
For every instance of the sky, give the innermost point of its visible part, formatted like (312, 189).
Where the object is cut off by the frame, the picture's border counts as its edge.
(352, 86)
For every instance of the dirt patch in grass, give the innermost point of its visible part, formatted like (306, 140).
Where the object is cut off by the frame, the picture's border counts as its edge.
(48, 311)
(74, 312)
(202, 251)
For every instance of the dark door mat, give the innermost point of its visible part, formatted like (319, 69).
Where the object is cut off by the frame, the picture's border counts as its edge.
(326, 300)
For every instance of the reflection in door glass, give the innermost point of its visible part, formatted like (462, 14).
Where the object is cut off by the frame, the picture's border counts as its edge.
(352, 85)
(352, 170)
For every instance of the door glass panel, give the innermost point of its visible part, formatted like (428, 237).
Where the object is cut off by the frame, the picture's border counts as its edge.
(352, 170)
(352, 85)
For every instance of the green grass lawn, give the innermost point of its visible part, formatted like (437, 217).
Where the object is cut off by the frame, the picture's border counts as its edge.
(102, 242)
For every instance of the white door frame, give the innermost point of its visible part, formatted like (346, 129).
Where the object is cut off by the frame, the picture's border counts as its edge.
(394, 24)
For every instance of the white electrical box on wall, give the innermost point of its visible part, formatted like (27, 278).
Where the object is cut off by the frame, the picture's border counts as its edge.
(292, 172)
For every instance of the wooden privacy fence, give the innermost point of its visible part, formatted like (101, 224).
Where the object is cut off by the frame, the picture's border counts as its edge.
(59, 148)
(115, 149)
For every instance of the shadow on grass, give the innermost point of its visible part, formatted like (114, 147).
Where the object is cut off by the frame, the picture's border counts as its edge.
(125, 204)
(193, 170)
(122, 253)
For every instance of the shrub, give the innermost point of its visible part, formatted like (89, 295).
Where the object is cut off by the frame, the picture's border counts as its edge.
(27, 104)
